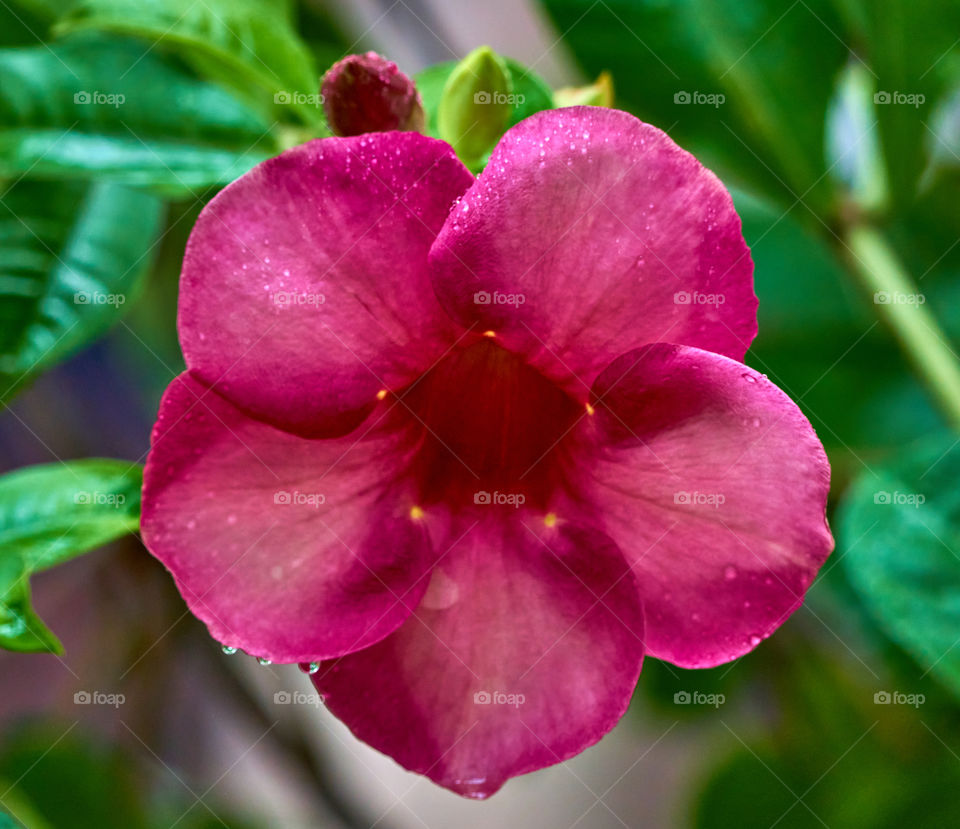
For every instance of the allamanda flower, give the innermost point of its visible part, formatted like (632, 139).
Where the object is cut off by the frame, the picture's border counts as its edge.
(478, 446)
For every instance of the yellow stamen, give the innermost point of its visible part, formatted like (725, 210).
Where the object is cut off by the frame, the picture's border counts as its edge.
(381, 394)
(550, 519)
(489, 333)
(590, 409)
(416, 513)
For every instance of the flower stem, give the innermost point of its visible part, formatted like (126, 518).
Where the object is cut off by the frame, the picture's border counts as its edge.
(901, 306)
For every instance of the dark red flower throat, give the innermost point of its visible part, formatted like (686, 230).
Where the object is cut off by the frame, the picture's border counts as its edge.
(492, 430)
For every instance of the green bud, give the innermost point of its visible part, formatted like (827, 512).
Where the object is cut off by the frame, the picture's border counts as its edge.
(597, 94)
(476, 105)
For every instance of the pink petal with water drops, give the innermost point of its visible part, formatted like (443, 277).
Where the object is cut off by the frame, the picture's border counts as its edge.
(291, 549)
(305, 287)
(590, 233)
(524, 651)
(714, 484)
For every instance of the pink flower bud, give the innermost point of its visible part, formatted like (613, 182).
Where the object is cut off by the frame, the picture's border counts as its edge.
(367, 93)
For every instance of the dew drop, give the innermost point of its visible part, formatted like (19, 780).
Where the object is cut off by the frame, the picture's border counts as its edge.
(749, 378)
(730, 572)
(473, 787)
(263, 660)
(229, 650)
(754, 641)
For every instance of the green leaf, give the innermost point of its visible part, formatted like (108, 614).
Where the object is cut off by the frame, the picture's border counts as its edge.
(248, 45)
(531, 92)
(97, 107)
(50, 514)
(899, 527)
(774, 65)
(72, 258)
(21, 629)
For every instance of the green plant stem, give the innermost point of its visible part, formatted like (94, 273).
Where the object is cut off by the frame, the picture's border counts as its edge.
(920, 336)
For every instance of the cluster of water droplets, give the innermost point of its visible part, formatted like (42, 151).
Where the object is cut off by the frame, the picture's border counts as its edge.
(306, 667)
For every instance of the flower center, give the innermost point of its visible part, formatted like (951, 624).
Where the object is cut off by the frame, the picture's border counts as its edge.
(492, 429)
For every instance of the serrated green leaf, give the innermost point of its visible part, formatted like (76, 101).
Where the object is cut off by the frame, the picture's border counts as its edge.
(50, 514)
(72, 257)
(99, 107)
(248, 45)
(898, 528)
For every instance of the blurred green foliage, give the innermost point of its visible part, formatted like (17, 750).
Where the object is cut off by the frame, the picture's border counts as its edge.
(120, 118)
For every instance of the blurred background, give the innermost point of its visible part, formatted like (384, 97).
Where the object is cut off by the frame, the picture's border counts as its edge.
(836, 125)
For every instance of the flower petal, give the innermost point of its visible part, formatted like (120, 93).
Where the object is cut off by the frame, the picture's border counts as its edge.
(714, 485)
(305, 287)
(524, 651)
(590, 233)
(291, 549)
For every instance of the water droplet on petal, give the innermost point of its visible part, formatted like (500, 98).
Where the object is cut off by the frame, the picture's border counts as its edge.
(749, 378)
(473, 787)
(229, 650)
(730, 572)
(264, 661)
(754, 641)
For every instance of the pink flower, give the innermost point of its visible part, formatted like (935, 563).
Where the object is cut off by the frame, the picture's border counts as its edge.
(367, 93)
(478, 446)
